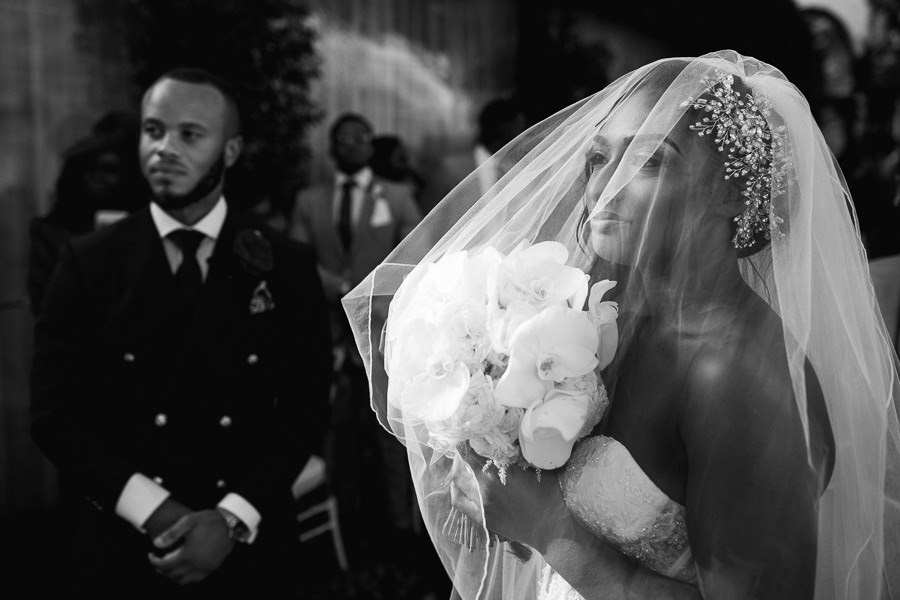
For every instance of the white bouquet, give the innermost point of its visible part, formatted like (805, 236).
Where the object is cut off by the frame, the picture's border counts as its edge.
(497, 351)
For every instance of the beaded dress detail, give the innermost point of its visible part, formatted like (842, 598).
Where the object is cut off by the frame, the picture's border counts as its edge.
(609, 494)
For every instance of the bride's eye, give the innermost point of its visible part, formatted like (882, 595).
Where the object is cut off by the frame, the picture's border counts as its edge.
(595, 159)
(649, 160)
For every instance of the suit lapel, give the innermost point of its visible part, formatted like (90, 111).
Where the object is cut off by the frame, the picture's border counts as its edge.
(140, 255)
(329, 225)
(152, 309)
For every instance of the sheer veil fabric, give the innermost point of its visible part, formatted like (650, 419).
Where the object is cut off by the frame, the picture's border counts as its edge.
(811, 274)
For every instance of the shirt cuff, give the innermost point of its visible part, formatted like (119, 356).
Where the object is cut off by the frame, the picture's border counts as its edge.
(244, 511)
(140, 497)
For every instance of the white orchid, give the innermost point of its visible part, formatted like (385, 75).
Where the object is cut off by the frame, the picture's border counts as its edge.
(551, 426)
(426, 380)
(538, 275)
(502, 323)
(499, 351)
(478, 413)
(456, 277)
(437, 393)
(554, 344)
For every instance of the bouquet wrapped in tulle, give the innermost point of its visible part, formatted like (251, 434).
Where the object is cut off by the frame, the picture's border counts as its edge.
(497, 350)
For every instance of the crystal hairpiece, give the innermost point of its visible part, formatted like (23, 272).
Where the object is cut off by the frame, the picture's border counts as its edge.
(755, 153)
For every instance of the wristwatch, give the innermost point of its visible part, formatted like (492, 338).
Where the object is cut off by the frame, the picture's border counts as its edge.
(237, 530)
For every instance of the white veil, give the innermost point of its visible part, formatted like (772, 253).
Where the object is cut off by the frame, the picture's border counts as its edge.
(812, 272)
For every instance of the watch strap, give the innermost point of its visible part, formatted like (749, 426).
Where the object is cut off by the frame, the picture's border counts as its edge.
(237, 530)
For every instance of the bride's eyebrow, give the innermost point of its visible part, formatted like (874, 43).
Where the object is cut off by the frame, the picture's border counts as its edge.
(664, 139)
(600, 141)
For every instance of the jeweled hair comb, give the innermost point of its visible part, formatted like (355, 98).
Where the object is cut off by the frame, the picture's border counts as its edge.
(755, 153)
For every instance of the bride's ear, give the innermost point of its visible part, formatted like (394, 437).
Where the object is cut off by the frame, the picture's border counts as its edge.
(731, 202)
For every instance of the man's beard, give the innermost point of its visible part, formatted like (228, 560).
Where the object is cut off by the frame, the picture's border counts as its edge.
(212, 178)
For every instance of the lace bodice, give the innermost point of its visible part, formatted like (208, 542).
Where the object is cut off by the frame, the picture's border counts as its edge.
(611, 496)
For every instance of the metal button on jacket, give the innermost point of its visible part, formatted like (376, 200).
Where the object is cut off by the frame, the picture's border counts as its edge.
(252, 359)
(128, 357)
(161, 419)
(225, 421)
(220, 483)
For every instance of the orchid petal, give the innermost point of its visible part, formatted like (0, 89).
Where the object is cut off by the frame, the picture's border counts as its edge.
(502, 324)
(520, 387)
(564, 336)
(609, 340)
(408, 358)
(604, 315)
(581, 291)
(598, 290)
(562, 410)
(434, 398)
(549, 428)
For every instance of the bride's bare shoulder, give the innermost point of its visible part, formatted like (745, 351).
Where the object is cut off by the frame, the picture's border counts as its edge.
(739, 359)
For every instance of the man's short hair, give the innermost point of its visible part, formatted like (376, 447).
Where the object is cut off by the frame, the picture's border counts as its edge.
(495, 114)
(204, 77)
(349, 117)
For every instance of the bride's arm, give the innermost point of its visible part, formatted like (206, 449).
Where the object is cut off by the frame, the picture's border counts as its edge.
(535, 514)
(751, 494)
(598, 571)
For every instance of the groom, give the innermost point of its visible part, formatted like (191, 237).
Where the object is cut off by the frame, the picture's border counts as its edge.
(181, 372)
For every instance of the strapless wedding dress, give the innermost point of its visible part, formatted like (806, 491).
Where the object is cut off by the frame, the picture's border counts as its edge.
(612, 497)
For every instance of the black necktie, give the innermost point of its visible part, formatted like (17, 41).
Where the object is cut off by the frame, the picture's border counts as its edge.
(188, 275)
(345, 225)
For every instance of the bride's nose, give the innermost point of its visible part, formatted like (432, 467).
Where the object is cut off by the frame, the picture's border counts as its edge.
(596, 191)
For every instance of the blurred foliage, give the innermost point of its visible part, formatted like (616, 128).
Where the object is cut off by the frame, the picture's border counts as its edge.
(265, 48)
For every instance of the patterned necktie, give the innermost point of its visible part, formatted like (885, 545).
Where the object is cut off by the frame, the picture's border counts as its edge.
(345, 226)
(188, 275)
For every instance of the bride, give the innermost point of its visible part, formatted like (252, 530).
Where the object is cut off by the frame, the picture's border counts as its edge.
(750, 445)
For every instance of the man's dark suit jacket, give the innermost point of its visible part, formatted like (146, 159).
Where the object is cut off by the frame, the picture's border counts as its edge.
(225, 400)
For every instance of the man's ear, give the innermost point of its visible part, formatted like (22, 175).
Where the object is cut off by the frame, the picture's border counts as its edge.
(233, 147)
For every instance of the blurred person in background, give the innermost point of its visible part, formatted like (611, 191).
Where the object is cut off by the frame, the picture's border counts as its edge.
(865, 154)
(353, 220)
(391, 160)
(99, 183)
(500, 120)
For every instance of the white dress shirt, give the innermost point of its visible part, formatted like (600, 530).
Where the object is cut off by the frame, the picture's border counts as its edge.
(210, 226)
(363, 179)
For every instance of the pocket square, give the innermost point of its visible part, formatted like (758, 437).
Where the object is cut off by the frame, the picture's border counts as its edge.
(381, 213)
(262, 300)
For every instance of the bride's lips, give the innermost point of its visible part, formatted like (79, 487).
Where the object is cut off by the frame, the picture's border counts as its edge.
(606, 222)
(605, 216)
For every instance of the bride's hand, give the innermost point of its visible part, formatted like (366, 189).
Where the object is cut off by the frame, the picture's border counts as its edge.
(523, 509)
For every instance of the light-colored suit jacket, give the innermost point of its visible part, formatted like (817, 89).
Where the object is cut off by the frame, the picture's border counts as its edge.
(388, 214)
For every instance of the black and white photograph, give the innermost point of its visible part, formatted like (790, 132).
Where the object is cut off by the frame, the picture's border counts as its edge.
(450, 300)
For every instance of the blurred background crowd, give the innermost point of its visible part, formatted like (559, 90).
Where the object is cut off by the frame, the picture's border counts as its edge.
(437, 86)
